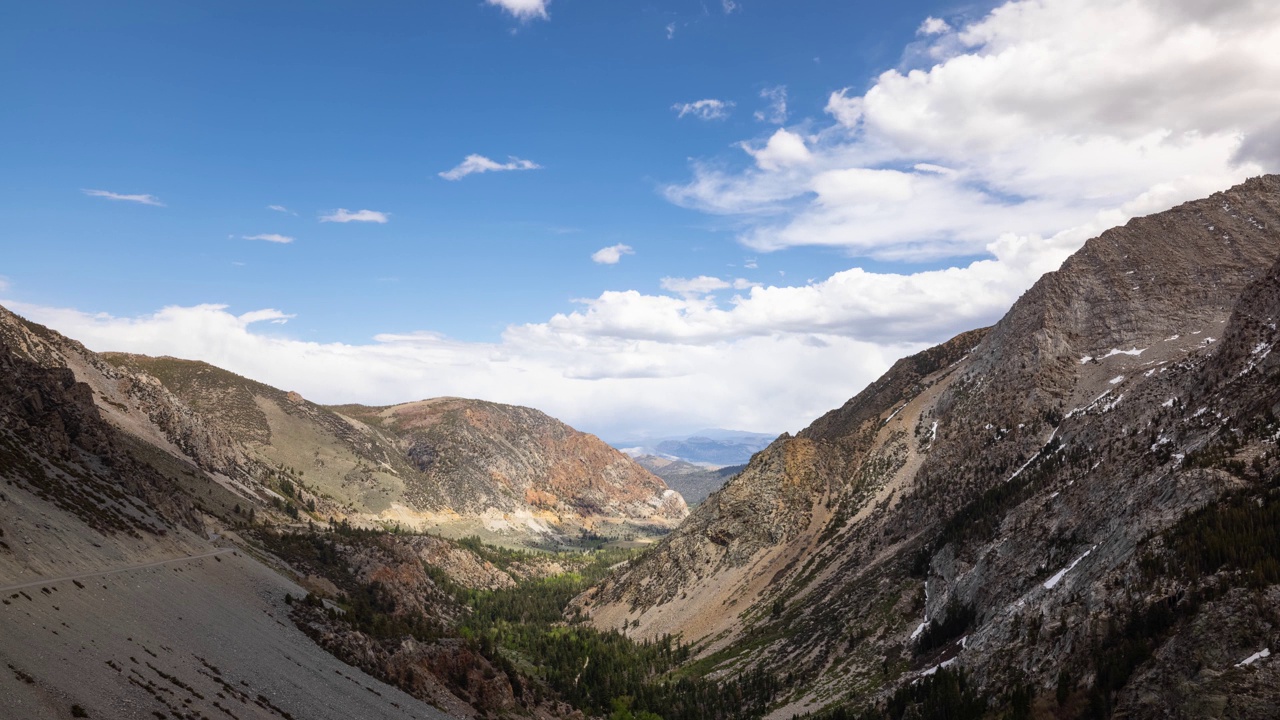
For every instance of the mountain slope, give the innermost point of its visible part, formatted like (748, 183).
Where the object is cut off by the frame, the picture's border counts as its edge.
(479, 457)
(106, 566)
(693, 482)
(454, 465)
(1007, 487)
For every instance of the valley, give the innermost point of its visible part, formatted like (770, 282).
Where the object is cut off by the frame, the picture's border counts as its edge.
(1069, 514)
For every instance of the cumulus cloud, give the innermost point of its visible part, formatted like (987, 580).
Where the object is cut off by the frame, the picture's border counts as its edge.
(783, 149)
(776, 111)
(933, 26)
(524, 9)
(269, 237)
(708, 109)
(343, 215)
(1025, 121)
(481, 164)
(612, 254)
(140, 199)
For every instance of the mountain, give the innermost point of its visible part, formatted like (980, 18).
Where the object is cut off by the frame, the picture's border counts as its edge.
(707, 447)
(454, 465)
(121, 596)
(693, 482)
(164, 548)
(1071, 513)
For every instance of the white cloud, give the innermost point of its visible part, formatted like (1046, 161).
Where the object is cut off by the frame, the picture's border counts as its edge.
(671, 30)
(776, 112)
(481, 164)
(783, 149)
(612, 254)
(610, 386)
(708, 109)
(140, 199)
(730, 6)
(771, 358)
(281, 209)
(700, 285)
(270, 315)
(269, 237)
(524, 9)
(933, 26)
(703, 285)
(1025, 121)
(343, 215)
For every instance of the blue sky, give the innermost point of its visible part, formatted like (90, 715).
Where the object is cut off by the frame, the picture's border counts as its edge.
(931, 161)
(221, 109)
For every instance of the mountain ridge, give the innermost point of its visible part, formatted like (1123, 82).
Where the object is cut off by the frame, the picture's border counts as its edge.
(936, 462)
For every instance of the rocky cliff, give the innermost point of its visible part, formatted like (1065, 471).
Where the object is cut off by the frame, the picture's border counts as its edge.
(1016, 503)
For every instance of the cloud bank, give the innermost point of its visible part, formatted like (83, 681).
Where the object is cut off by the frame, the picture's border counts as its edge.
(1026, 121)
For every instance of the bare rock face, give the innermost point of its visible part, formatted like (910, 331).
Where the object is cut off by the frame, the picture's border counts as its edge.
(136, 403)
(476, 456)
(1010, 501)
(54, 442)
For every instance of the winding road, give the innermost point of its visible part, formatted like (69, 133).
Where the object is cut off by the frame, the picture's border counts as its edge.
(50, 581)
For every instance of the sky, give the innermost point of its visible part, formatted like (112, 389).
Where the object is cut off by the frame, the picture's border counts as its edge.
(643, 218)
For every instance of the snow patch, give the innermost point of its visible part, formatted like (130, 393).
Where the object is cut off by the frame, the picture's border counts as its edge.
(1032, 459)
(1116, 351)
(1052, 582)
(1167, 403)
(1116, 380)
(1264, 653)
(1085, 359)
(895, 412)
(939, 666)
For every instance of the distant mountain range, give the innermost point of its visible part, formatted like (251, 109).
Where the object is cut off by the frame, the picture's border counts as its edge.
(714, 447)
(694, 482)
(452, 465)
